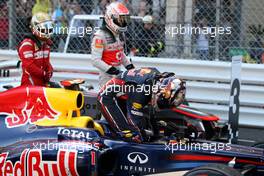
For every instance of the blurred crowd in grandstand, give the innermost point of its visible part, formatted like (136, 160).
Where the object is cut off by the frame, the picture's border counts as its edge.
(148, 37)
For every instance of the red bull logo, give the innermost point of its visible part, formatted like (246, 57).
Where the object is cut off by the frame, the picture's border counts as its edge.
(31, 164)
(25, 105)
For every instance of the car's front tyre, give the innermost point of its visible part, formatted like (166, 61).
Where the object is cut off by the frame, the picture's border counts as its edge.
(213, 170)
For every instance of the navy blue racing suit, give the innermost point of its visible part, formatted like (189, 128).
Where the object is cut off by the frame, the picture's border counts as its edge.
(135, 86)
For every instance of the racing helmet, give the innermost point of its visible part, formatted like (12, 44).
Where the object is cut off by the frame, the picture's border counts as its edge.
(170, 92)
(117, 17)
(42, 26)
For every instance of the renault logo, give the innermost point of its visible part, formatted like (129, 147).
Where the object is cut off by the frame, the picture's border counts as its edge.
(137, 156)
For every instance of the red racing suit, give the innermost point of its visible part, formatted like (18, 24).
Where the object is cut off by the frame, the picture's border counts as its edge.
(108, 52)
(35, 58)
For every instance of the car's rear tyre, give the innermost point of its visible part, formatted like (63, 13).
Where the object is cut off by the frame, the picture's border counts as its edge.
(213, 170)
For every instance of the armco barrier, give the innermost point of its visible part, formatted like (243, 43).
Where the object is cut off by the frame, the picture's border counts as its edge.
(207, 82)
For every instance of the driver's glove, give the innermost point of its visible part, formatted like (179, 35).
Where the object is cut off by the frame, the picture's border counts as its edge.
(130, 66)
(130, 136)
(113, 71)
(47, 76)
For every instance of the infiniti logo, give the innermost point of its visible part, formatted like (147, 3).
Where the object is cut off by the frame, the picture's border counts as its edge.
(137, 156)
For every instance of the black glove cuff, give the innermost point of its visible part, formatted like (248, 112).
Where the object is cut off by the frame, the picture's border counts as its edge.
(167, 74)
(130, 66)
(112, 71)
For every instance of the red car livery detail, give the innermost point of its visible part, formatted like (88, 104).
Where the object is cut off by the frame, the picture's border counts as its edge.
(31, 164)
(24, 105)
(193, 113)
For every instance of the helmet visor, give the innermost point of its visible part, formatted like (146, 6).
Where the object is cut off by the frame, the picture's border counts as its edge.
(46, 28)
(122, 20)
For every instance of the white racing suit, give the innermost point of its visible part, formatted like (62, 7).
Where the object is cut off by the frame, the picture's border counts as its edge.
(108, 54)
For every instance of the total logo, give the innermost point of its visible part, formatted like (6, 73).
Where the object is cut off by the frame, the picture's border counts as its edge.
(138, 162)
(74, 133)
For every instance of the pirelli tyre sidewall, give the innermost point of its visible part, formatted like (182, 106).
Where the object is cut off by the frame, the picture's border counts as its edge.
(213, 170)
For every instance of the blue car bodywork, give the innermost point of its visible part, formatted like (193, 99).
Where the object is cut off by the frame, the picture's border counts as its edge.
(34, 150)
